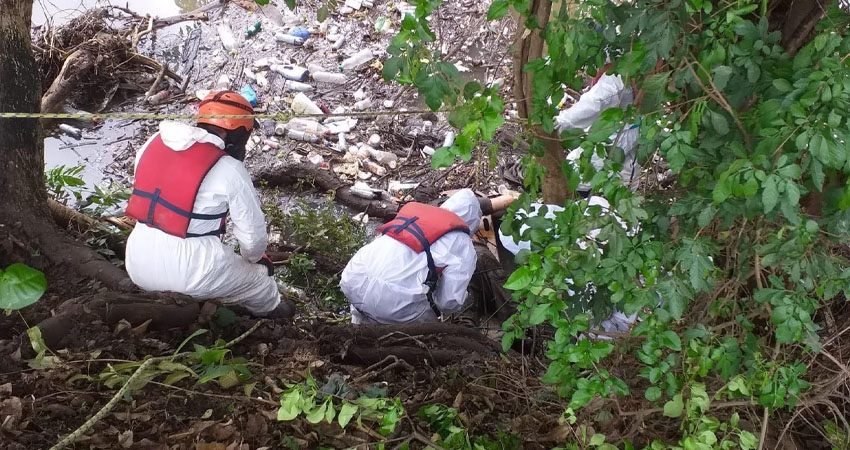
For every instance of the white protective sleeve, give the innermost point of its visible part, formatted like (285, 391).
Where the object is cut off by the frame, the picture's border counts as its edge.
(246, 214)
(456, 253)
(607, 93)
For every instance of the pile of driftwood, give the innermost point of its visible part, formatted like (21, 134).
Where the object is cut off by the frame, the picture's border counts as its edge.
(95, 56)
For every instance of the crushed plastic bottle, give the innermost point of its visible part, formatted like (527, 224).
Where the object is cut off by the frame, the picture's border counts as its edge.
(328, 77)
(315, 158)
(362, 190)
(298, 86)
(363, 105)
(374, 140)
(428, 151)
(341, 126)
(262, 81)
(338, 43)
(291, 72)
(359, 95)
(341, 145)
(300, 32)
(302, 104)
(449, 140)
(307, 126)
(228, 40)
(399, 189)
(356, 60)
(288, 38)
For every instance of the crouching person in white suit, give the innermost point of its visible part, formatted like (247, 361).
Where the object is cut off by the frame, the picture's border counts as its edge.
(187, 180)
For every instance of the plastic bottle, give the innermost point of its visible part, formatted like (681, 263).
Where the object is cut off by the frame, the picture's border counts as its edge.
(298, 86)
(302, 104)
(228, 40)
(70, 130)
(362, 190)
(383, 157)
(302, 136)
(328, 77)
(253, 29)
(341, 126)
(374, 140)
(291, 72)
(307, 126)
(341, 144)
(338, 43)
(158, 98)
(356, 60)
(288, 39)
(262, 81)
(449, 140)
(375, 168)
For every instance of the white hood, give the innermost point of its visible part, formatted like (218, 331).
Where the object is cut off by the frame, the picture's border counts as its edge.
(180, 136)
(465, 204)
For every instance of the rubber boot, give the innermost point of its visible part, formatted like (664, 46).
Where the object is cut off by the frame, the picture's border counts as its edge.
(285, 310)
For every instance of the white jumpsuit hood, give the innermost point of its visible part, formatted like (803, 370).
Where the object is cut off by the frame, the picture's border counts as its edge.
(204, 267)
(384, 281)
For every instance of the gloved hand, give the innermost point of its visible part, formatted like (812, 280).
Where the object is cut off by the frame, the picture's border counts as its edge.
(266, 261)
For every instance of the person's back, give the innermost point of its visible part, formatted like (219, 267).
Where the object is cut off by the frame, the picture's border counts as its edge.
(385, 281)
(188, 178)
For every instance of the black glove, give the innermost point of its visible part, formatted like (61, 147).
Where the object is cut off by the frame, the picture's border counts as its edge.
(266, 261)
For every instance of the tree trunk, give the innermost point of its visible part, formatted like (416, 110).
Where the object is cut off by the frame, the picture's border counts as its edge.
(26, 227)
(529, 48)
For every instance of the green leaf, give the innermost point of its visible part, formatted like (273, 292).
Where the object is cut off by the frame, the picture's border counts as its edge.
(719, 123)
(747, 440)
(721, 76)
(346, 413)
(597, 440)
(289, 405)
(36, 340)
(671, 340)
(653, 393)
(317, 414)
(321, 13)
(657, 83)
(538, 314)
(20, 286)
(782, 85)
(498, 9)
(443, 157)
(520, 279)
(224, 316)
(290, 4)
(770, 194)
(674, 407)
(262, 2)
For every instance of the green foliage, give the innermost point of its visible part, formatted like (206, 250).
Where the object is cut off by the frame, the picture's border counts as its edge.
(203, 365)
(444, 421)
(42, 360)
(20, 286)
(756, 140)
(305, 398)
(64, 182)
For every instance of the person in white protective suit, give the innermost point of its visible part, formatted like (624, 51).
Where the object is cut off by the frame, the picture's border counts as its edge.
(187, 180)
(607, 91)
(389, 282)
(618, 321)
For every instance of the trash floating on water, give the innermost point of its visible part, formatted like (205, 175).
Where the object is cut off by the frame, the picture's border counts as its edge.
(228, 40)
(71, 130)
(288, 38)
(356, 60)
(299, 87)
(290, 72)
(249, 94)
(302, 104)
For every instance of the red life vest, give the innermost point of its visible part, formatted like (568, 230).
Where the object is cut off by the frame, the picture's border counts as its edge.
(417, 226)
(166, 185)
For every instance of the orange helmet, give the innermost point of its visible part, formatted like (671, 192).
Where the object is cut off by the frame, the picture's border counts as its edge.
(226, 103)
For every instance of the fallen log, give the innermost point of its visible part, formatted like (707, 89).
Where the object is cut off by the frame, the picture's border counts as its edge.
(163, 310)
(325, 180)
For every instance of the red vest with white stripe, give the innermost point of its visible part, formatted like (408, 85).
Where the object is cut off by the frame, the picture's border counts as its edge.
(167, 183)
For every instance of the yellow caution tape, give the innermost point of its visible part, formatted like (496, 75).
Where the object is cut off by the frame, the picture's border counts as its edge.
(155, 116)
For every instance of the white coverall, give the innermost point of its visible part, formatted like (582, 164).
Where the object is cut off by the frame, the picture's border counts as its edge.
(385, 280)
(204, 267)
(608, 92)
(617, 322)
